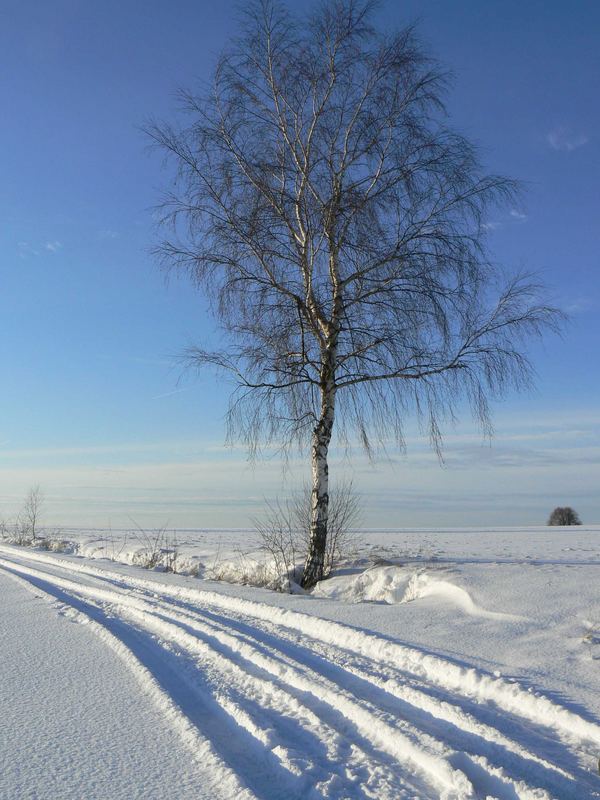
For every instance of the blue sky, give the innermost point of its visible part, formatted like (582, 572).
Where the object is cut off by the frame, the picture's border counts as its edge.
(93, 406)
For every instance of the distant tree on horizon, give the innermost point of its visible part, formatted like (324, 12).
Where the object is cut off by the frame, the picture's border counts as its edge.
(337, 224)
(564, 515)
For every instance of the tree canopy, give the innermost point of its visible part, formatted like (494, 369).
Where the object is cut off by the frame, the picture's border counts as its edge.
(338, 225)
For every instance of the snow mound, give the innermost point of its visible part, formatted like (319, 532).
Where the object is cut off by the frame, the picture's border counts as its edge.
(422, 584)
(387, 584)
(396, 584)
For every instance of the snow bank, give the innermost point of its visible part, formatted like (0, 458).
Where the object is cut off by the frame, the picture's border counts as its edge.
(398, 584)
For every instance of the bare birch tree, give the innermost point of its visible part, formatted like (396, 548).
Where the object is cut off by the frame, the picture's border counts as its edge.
(337, 225)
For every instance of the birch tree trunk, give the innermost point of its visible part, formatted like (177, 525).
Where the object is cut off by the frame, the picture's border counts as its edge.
(315, 557)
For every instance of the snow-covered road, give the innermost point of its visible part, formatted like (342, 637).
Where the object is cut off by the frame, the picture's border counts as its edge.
(272, 703)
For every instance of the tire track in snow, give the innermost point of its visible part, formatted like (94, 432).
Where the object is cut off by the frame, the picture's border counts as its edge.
(231, 763)
(478, 739)
(389, 711)
(433, 671)
(246, 667)
(471, 724)
(221, 780)
(439, 719)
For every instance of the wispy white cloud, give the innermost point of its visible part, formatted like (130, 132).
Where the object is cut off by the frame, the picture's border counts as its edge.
(108, 233)
(566, 140)
(506, 485)
(530, 467)
(148, 361)
(517, 215)
(168, 394)
(25, 250)
(514, 216)
(118, 448)
(580, 305)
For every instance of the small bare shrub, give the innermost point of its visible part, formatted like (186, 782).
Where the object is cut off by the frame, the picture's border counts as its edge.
(158, 549)
(113, 548)
(29, 516)
(170, 552)
(285, 533)
(283, 542)
(22, 533)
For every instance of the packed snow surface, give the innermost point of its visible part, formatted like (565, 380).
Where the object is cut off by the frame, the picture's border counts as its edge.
(442, 665)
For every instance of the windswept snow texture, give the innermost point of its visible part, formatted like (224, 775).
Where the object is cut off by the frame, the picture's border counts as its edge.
(73, 721)
(258, 699)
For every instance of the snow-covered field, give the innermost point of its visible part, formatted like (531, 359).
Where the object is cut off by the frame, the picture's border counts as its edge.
(439, 664)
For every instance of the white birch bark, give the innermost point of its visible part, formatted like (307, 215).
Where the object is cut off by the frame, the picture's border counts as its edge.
(321, 438)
